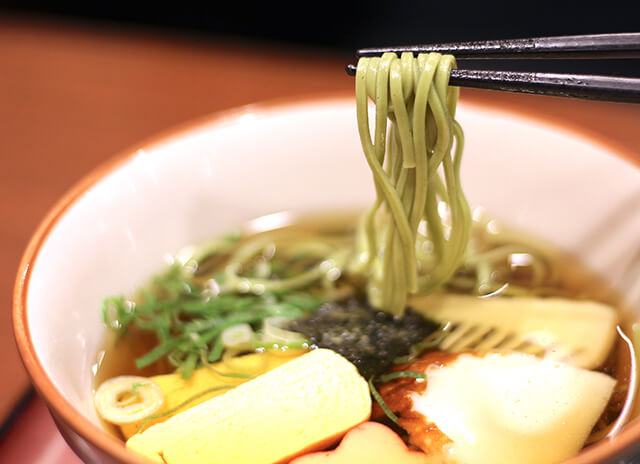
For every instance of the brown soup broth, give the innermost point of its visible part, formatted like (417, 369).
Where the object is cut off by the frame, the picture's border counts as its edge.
(573, 281)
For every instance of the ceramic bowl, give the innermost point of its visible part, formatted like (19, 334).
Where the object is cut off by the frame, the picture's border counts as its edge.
(114, 228)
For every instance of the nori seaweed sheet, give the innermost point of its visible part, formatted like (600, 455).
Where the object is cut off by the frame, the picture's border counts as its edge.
(369, 338)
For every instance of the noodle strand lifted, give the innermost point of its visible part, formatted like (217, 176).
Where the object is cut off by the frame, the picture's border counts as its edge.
(415, 164)
(414, 237)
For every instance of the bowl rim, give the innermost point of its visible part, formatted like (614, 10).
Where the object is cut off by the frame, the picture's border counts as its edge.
(60, 407)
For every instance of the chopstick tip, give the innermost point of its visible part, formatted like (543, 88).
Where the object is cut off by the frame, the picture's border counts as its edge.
(350, 69)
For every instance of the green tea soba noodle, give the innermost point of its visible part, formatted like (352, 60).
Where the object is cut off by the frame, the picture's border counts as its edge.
(420, 213)
(417, 237)
(414, 237)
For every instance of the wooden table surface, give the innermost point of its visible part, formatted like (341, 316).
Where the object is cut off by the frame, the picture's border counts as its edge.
(72, 95)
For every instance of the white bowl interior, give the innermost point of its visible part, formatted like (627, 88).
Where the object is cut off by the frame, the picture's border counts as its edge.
(302, 158)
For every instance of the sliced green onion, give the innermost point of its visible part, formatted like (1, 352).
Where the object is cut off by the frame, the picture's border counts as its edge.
(238, 336)
(380, 401)
(216, 351)
(127, 399)
(402, 374)
(189, 365)
(430, 343)
(157, 353)
(188, 317)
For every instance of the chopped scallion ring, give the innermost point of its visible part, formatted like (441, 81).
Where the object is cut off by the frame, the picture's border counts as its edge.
(127, 399)
(238, 336)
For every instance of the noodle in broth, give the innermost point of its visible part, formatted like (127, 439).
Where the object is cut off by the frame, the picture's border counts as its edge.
(338, 282)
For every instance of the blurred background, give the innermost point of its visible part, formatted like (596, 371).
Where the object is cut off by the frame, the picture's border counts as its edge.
(81, 81)
(343, 26)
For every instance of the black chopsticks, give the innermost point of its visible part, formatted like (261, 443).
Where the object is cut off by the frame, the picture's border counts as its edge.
(584, 86)
(624, 45)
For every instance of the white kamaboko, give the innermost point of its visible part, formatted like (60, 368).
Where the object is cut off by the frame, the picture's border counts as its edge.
(512, 408)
